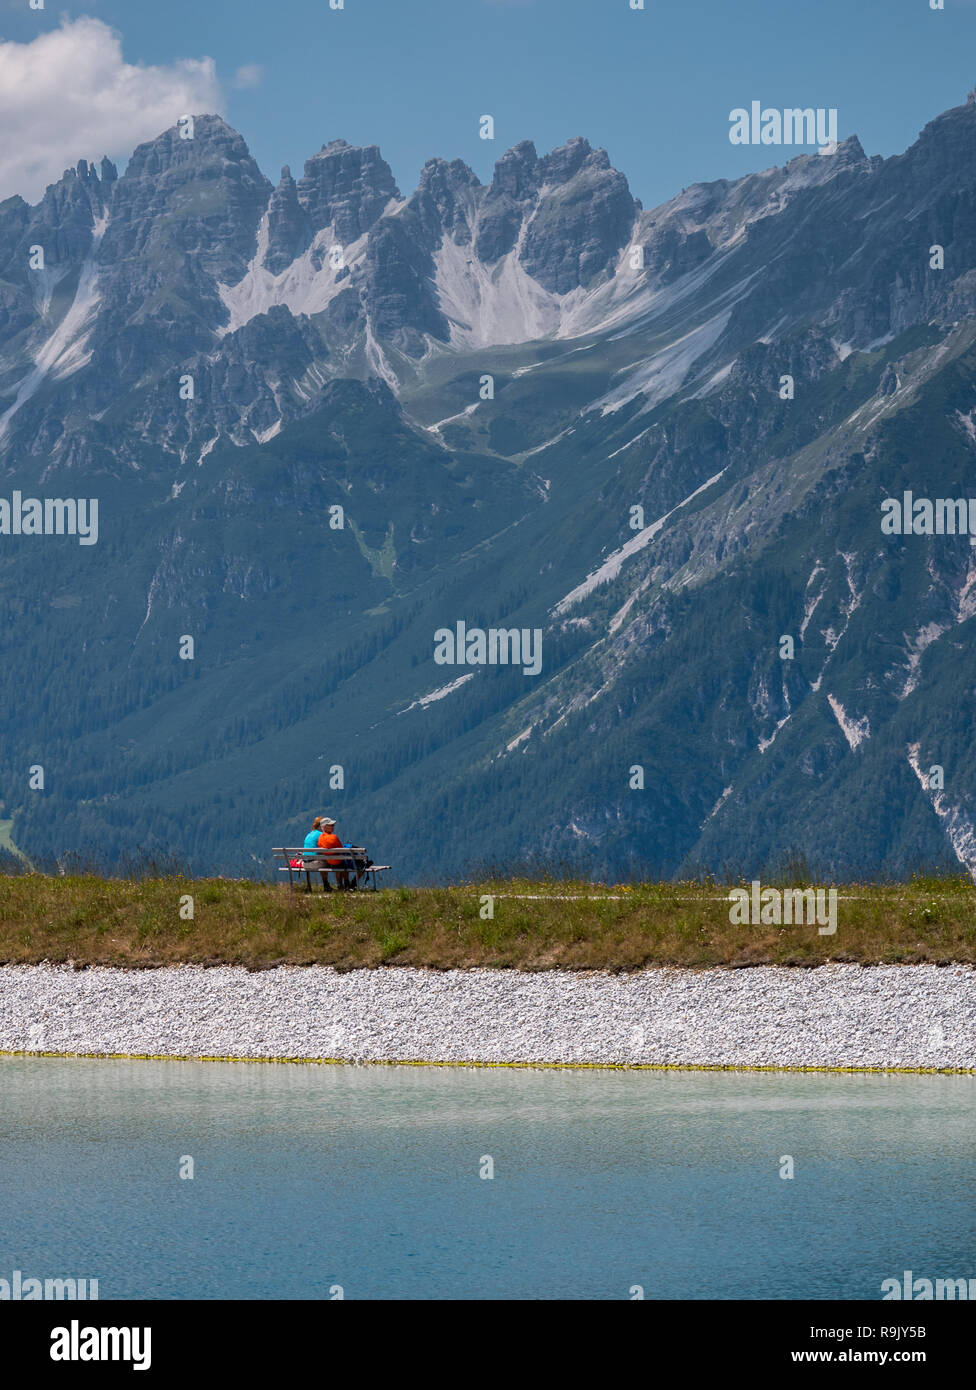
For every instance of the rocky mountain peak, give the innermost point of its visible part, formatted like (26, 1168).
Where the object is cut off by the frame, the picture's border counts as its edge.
(822, 165)
(441, 175)
(213, 139)
(347, 187)
(853, 145)
(944, 145)
(948, 129)
(184, 217)
(584, 216)
(445, 198)
(517, 172)
(64, 218)
(566, 162)
(288, 232)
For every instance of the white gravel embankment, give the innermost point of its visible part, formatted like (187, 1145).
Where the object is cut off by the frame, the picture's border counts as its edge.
(836, 1015)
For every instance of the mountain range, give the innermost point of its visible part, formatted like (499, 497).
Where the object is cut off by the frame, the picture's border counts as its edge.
(325, 422)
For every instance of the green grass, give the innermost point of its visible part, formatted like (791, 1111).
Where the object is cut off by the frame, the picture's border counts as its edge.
(382, 560)
(137, 922)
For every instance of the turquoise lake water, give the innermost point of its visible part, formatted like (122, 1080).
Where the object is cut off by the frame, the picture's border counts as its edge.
(311, 1177)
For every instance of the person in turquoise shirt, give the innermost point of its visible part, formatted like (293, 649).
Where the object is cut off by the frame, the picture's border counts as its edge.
(312, 839)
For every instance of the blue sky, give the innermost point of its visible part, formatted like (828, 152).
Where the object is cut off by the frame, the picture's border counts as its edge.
(654, 87)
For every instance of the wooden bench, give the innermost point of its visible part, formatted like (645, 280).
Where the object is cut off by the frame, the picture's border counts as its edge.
(325, 862)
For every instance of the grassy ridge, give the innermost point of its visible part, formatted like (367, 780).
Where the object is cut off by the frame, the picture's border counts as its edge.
(137, 922)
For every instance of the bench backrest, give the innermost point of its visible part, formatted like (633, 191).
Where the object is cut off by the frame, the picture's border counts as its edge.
(310, 855)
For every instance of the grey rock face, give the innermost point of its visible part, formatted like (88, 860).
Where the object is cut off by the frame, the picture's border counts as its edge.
(288, 226)
(17, 311)
(347, 188)
(199, 198)
(62, 222)
(446, 198)
(183, 217)
(580, 226)
(268, 372)
(888, 384)
(512, 192)
(577, 212)
(62, 225)
(676, 252)
(398, 291)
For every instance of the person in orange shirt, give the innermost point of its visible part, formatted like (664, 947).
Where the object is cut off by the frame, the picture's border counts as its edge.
(330, 840)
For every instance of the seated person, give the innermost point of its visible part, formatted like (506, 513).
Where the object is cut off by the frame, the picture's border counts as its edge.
(312, 839)
(330, 840)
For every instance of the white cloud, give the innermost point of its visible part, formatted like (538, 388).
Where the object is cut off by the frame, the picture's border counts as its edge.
(70, 95)
(250, 75)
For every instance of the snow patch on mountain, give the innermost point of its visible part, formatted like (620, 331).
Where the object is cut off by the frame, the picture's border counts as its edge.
(307, 286)
(263, 436)
(966, 598)
(44, 282)
(715, 380)
(765, 743)
(968, 423)
(376, 358)
(916, 645)
(448, 419)
(487, 305)
(664, 373)
(500, 303)
(810, 604)
(620, 617)
(831, 635)
(630, 443)
(66, 350)
(854, 730)
(207, 448)
(440, 693)
(718, 805)
(958, 827)
(613, 564)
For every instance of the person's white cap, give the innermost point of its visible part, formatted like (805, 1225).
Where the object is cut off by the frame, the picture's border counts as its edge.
(326, 820)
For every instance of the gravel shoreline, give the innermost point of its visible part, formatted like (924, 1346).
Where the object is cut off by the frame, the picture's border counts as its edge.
(832, 1016)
